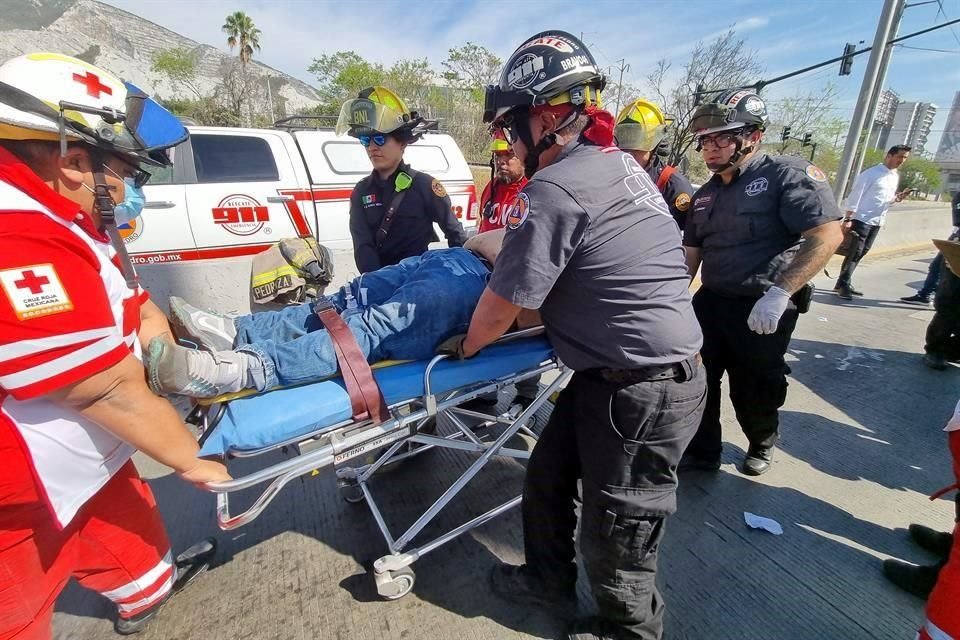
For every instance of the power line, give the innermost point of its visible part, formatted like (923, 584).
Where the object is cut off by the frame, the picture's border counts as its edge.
(903, 46)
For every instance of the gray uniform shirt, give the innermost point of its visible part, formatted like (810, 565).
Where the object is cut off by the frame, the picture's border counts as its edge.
(591, 244)
(748, 231)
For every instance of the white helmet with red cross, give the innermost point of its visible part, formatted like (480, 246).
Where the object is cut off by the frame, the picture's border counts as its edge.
(49, 96)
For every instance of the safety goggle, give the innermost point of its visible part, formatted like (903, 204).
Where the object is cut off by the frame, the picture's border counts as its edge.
(378, 139)
(140, 177)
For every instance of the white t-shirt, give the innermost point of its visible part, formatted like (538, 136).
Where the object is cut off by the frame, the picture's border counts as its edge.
(873, 192)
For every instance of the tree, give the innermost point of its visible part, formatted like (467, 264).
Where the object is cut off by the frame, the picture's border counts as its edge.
(471, 67)
(803, 113)
(242, 33)
(180, 67)
(341, 75)
(722, 64)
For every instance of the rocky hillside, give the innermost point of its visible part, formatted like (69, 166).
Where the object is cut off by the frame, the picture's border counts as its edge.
(122, 43)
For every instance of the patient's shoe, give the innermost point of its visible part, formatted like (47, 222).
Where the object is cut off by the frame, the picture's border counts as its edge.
(213, 331)
(173, 369)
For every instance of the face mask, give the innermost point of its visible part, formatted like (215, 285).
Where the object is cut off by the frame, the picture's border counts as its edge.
(132, 205)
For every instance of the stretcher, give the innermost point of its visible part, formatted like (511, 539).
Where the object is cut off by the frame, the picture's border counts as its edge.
(315, 420)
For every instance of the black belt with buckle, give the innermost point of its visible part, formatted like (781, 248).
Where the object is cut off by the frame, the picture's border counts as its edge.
(679, 371)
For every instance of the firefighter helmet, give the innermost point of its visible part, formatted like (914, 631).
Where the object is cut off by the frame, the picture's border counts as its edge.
(379, 110)
(732, 110)
(641, 126)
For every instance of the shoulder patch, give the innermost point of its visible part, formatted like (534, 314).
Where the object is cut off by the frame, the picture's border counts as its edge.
(35, 291)
(815, 173)
(438, 189)
(519, 211)
(682, 202)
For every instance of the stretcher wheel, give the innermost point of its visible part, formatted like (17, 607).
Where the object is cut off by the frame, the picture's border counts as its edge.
(393, 585)
(352, 494)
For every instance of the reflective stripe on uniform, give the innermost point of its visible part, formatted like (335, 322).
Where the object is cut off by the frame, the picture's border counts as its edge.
(930, 631)
(143, 583)
(46, 370)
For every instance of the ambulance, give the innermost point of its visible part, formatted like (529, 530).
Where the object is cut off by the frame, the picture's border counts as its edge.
(232, 192)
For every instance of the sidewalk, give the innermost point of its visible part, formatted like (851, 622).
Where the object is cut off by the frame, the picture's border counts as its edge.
(860, 451)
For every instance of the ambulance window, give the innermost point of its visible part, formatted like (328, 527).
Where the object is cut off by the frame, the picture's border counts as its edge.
(233, 159)
(347, 157)
(160, 175)
(429, 158)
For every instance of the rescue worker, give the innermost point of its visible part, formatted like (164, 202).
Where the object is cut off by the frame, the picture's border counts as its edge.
(392, 211)
(590, 243)
(939, 583)
(75, 403)
(641, 131)
(762, 226)
(500, 193)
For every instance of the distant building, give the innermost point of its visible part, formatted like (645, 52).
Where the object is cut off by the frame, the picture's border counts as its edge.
(883, 118)
(948, 153)
(911, 126)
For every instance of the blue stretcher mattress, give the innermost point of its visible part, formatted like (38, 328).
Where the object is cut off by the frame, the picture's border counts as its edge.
(259, 421)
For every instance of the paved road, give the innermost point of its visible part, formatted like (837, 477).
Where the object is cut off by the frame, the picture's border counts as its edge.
(861, 449)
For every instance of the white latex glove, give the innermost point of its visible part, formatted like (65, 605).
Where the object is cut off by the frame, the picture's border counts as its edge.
(766, 313)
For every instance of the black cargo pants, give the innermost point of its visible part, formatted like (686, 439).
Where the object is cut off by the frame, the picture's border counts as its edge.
(624, 441)
(943, 332)
(754, 365)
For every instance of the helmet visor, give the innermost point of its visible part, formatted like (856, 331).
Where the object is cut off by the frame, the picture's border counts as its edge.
(363, 116)
(152, 127)
(633, 136)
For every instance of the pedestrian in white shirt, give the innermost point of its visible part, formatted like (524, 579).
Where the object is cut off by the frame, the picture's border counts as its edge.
(873, 192)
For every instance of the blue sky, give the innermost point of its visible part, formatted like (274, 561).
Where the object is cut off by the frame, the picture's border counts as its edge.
(785, 35)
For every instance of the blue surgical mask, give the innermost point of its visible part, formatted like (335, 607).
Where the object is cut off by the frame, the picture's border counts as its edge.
(132, 205)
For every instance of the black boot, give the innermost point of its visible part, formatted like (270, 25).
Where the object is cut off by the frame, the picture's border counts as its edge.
(932, 540)
(593, 628)
(757, 461)
(913, 579)
(521, 585)
(188, 566)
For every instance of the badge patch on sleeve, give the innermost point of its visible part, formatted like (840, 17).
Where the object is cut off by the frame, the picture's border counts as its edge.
(682, 202)
(816, 173)
(35, 291)
(519, 211)
(438, 189)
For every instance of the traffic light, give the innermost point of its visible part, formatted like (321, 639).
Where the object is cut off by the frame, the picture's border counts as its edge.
(847, 63)
(807, 139)
(785, 134)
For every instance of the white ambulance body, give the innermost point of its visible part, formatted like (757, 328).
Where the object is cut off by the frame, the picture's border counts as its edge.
(233, 192)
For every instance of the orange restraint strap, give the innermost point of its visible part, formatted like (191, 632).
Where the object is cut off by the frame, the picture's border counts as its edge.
(366, 399)
(665, 177)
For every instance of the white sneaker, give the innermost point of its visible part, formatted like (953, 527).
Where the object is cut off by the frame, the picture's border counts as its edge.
(213, 331)
(173, 369)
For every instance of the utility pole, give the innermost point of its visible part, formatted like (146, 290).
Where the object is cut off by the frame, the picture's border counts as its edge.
(623, 67)
(878, 88)
(866, 93)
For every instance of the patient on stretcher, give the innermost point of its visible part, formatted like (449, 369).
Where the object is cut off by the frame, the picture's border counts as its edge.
(399, 312)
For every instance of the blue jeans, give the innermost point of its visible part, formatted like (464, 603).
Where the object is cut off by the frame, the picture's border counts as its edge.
(933, 277)
(403, 312)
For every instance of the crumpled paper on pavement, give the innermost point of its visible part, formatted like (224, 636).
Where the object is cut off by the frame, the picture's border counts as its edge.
(759, 522)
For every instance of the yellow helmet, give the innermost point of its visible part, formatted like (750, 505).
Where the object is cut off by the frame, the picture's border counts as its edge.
(499, 143)
(375, 110)
(641, 126)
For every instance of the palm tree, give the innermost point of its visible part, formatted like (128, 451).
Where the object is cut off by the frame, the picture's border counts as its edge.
(242, 32)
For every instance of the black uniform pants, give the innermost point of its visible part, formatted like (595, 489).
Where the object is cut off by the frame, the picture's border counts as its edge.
(943, 332)
(863, 234)
(754, 365)
(624, 442)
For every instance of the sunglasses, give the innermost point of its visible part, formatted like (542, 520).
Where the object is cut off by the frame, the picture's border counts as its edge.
(378, 139)
(140, 177)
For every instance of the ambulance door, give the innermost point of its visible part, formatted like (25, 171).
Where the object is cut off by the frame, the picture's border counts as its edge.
(162, 233)
(241, 202)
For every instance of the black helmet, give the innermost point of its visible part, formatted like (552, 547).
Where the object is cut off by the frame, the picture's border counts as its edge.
(732, 110)
(552, 67)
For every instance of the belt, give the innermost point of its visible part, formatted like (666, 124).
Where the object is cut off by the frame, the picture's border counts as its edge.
(679, 371)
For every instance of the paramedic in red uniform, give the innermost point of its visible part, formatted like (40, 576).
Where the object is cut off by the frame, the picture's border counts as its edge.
(74, 405)
(500, 193)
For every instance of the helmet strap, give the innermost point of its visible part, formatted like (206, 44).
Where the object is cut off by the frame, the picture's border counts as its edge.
(739, 153)
(532, 162)
(108, 222)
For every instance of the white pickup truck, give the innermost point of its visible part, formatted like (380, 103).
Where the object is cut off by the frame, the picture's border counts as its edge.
(232, 192)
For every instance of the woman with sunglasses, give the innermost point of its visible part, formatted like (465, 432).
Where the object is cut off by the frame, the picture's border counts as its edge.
(392, 210)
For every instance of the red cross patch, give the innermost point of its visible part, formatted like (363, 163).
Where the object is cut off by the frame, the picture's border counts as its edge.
(92, 83)
(35, 291)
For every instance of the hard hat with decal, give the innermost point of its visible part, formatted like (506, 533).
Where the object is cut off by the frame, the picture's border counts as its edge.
(551, 67)
(379, 110)
(641, 126)
(732, 110)
(49, 96)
